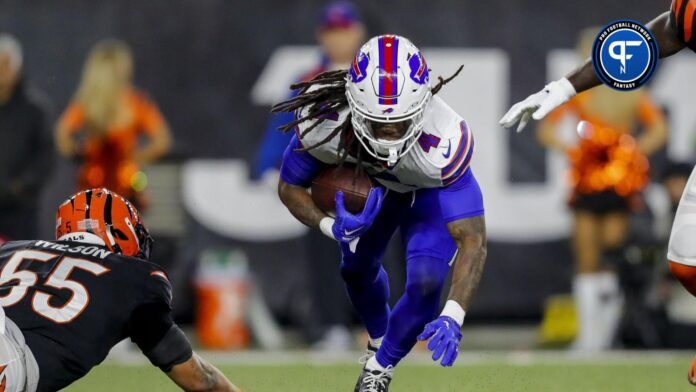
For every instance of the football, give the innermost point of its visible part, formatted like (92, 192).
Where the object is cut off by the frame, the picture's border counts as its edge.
(355, 187)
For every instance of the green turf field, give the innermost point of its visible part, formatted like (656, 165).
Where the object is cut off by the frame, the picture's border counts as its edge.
(586, 377)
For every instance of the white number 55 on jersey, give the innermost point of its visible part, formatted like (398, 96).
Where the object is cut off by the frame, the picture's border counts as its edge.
(59, 279)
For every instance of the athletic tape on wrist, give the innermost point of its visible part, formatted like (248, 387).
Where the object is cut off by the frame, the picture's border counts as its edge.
(326, 227)
(567, 87)
(455, 311)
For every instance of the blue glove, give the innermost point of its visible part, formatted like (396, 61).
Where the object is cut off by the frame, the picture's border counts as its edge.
(444, 337)
(347, 226)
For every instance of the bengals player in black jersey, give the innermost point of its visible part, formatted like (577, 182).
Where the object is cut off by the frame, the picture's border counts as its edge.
(68, 302)
(673, 30)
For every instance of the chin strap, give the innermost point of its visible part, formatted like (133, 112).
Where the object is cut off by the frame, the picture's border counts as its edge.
(393, 157)
(112, 242)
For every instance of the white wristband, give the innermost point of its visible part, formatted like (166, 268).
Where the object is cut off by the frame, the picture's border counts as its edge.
(326, 226)
(454, 310)
(567, 87)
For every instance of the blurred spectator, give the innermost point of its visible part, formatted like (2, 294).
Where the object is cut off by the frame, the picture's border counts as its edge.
(340, 32)
(601, 216)
(105, 122)
(25, 151)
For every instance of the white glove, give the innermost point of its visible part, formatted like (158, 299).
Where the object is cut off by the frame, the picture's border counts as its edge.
(538, 105)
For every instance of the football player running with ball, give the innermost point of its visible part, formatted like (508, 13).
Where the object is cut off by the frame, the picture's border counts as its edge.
(384, 116)
(673, 30)
(68, 302)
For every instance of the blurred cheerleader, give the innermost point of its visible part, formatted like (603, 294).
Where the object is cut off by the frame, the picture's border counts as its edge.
(608, 169)
(111, 126)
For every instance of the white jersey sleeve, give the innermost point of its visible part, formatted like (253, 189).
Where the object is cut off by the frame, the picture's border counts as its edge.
(327, 152)
(445, 130)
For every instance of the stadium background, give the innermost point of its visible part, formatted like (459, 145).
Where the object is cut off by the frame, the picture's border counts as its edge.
(200, 61)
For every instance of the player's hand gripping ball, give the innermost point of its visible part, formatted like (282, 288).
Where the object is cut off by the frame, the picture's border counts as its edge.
(444, 334)
(348, 226)
(355, 185)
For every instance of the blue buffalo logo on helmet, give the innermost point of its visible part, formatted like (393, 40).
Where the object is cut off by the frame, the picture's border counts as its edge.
(419, 69)
(358, 71)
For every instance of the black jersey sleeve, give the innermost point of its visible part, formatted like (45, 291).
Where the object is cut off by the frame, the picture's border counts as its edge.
(681, 17)
(152, 328)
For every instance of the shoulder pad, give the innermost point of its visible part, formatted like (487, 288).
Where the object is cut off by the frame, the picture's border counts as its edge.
(329, 123)
(446, 139)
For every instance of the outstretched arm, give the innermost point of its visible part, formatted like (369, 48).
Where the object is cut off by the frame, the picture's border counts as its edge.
(666, 35)
(556, 93)
(584, 78)
(152, 328)
(197, 375)
(167, 347)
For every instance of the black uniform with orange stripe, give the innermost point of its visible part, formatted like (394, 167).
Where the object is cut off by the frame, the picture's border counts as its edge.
(682, 16)
(74, 301)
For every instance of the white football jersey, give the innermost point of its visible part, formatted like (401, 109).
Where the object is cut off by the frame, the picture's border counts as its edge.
(441, 155)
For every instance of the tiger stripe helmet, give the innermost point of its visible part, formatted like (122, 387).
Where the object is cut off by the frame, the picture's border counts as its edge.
(104, 217)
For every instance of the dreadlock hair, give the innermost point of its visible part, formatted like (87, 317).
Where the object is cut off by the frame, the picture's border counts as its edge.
(330, 97)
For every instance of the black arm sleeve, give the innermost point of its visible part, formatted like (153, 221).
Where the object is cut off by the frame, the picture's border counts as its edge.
(152, 328)
(174, 348)
(155, 333)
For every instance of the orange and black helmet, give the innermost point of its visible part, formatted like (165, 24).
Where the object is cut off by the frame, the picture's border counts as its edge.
(104, 216)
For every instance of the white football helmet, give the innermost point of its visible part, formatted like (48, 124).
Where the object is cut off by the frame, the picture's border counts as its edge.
(388, 82)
